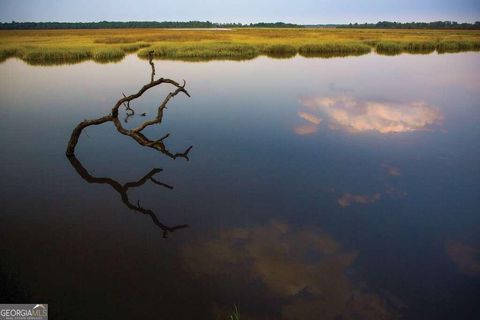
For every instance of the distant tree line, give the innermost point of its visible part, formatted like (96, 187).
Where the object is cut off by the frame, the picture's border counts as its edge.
(138, 24)
(207, 24)
(414, 25)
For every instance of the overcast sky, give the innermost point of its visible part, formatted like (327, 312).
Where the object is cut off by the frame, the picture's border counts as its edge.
(245, 11)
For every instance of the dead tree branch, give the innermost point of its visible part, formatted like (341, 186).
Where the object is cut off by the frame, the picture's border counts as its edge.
(135, 133)
(150, 61)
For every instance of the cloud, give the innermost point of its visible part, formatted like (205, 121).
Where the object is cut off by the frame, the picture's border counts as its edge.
(311, 127)
(357, 116)
(313, 119)
(391, 170)
(306, 129)
(303, 270)
(348, 199)
(467, 258)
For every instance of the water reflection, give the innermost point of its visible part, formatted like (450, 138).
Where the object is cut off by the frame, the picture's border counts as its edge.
(304, 271)
(394, 247)
(357, 115)
(465, 257)
(122, 189)
(348, 199)
(137, 135)
(313, 119)
(391, 170)
(306, 129)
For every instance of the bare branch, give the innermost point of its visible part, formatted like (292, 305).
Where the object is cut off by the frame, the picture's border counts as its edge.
(150, 58)
(140, 138)
(135, 133)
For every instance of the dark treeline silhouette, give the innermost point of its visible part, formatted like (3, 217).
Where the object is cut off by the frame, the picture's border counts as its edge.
(414, 25)
(138, 24)
(207, 24)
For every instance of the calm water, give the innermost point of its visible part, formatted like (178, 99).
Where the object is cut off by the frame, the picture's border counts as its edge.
(343, 188)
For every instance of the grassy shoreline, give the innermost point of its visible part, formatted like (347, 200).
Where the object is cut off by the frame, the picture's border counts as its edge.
(45, 47)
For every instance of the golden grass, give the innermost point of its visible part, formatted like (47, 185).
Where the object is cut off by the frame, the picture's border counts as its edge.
(71, 46)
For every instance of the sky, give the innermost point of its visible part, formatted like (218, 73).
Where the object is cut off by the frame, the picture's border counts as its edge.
(244, 11)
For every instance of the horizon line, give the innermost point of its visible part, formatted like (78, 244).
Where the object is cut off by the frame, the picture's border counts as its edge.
(243, 23)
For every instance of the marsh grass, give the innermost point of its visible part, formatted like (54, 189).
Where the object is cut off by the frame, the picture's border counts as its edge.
(134, 47)
(426, 47)
(52, 56)
(389, 48)
(421, 47)
(72, 46)
(235, 314)
(450, 46)
(6, 53)
(279, 51)
(334, 49)
(195, 52)
(104, 55)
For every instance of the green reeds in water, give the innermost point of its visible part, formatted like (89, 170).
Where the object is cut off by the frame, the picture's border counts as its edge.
(391, 48)
(134, 47)
(69, 46)
(420, 47)
(58, 56)
(426, 47)
(450, 46)
(339, 49)
(203, 52)
(105, 55)
(7, 53)
(235, 315)
(280, 51)
(48, 56)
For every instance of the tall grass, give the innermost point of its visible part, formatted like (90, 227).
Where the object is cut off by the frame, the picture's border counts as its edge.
(130, 48)
(202, 51)
(72, 46)
(458, 46)
(6, 53)
(104, 55)
(425, 47)
(334, 49)
(51, 56)
(389, 48)
(421, 47)
(69, 55)
(279, 51)
(235, 315)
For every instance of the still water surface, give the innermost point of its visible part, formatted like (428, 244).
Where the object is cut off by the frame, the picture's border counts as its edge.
(343, 188)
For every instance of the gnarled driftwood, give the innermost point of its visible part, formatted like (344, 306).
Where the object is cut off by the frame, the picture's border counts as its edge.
(136, 133)
(139, 137)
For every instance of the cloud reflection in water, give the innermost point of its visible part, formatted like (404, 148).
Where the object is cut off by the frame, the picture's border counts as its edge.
(348, 199)
(356, 115)
(465, 257)
(304, 269)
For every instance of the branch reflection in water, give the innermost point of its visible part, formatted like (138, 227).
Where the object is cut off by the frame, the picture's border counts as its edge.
(122, 189)
(137, 135)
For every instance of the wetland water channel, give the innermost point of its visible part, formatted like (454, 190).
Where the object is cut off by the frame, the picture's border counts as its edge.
(341, 188)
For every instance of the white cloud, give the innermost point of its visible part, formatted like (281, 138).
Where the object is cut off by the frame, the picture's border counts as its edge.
(355, 115)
